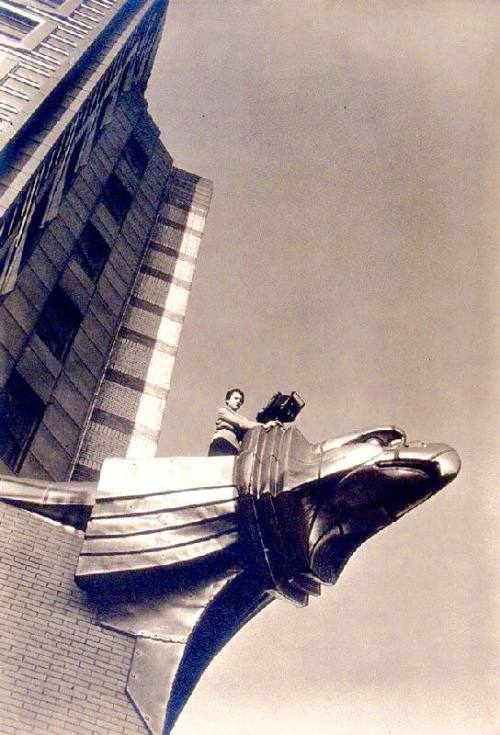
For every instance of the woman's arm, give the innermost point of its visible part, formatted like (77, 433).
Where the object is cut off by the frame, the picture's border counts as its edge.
(226, 416)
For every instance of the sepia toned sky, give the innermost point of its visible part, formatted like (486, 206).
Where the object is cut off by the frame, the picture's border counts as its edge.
(351, 254)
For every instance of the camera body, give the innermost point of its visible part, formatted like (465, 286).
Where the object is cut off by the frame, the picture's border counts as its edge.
(282, 407)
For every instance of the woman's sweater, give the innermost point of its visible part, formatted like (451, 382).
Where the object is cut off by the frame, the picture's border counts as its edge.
(229, 425)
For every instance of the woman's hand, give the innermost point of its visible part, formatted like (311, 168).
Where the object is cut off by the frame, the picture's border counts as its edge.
(271, 424)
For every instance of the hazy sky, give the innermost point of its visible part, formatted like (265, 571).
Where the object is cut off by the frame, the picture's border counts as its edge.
(350, 254)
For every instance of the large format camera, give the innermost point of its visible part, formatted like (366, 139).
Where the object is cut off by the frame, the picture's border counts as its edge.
(281, 407)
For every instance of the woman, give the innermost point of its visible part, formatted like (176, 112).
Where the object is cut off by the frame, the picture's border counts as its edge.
(230, 427)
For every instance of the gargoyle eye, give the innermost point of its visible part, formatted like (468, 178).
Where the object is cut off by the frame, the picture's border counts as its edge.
(375, 440)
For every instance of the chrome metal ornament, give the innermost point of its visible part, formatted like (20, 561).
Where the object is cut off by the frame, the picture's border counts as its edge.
(181, 552)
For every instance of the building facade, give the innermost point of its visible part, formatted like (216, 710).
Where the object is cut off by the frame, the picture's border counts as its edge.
(99, 235)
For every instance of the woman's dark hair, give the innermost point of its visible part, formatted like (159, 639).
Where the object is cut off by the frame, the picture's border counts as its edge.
(235, 390)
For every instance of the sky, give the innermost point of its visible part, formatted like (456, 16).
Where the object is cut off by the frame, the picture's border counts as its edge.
(350, 254)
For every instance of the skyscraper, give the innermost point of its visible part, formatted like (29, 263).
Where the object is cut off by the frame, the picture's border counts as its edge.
(99, 235)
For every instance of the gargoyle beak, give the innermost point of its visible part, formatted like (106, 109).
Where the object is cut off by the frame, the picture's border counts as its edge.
(448, 463)
(443, 458)
(371, 496)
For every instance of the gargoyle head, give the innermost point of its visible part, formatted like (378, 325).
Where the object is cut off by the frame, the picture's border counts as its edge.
(364, 485)
(316, 503)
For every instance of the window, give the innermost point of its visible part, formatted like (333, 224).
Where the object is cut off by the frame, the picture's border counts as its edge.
(15, 26)
(21, 410)
(124, 85)
(8, 264)
(4, 257)
(116, 197)
(136, 156)
(72, 167)
(59, 322)
(92, 251)
(35, 226)
(102, 114)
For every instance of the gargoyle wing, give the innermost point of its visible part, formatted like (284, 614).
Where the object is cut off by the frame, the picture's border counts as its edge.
(177, 636)
(158, 514)
(66, 502)
(162, 561)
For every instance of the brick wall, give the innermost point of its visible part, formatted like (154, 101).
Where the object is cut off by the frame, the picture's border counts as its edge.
(60, 674)
(128, 409)
(111, 382)
(67, 385)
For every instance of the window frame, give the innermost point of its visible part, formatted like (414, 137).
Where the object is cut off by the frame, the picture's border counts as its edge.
(57, 335)
(26, 397)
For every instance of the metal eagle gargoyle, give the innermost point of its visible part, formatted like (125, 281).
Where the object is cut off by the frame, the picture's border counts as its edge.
(181, 552)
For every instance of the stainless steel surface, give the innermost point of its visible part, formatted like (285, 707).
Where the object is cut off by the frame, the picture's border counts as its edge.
(148, 521)
(163, 623)
(123, 478)
(135, 541)
(150, 679)
(93, 567)
(105, 508)
(158, 513)
(182, 552)
(69, 503)
(161, 615)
